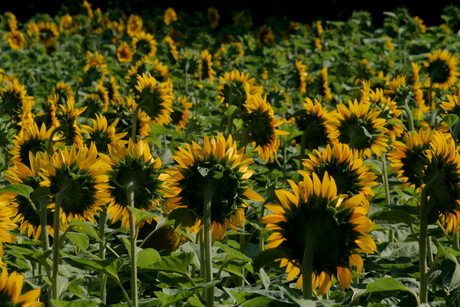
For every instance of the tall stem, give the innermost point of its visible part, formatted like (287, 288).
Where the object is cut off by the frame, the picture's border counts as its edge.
(133, 240)
(102, 249)
(43, 203)
(56, 241)
(307, 264)
(423, 238)
(387, 190)
(207, 242)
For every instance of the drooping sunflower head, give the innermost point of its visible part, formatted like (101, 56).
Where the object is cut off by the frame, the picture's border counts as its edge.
(181, 113)
(360, 126)
(312, 122)
(342, 163)
(219, 170)
(206, 70)
(442, 69)
(336, 231)
(260, 125)
(409, 157)
(77, 179)
(133, 164)
(155, 99)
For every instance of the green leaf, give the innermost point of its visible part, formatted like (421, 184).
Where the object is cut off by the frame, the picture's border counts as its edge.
(393, 215)
(79, 239)
(40, 193)
(82, 303)
(20, 189)
(232, 253)
(450, 120)
(170, 296)
(84, 228)
(108, 266)
(142, 215)
(147, 257)
(265, 279)
(176, 262)
(385, 284)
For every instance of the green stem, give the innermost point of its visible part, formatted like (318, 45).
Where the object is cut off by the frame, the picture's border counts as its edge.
(208, 242)
(134, 122)
(56, 241)
(408, 111)
(307, 265)
(102, 251)
(423, 238)
(133, 239)
(387, 190)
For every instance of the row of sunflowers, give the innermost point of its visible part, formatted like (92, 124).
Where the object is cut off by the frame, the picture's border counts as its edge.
(165, 159)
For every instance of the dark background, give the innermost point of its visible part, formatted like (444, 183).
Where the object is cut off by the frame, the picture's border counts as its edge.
(302, 11)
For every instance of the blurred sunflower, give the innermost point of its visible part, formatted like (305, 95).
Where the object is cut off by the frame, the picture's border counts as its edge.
(14, 100)
(27, 216)
(124, 53)
(181, 113)
(95, 68)
(206, 70)
(48, 116)
(169, 16)
(7, 214)
(63, 90)
(133, 163)
(143, 44)
(342, 163)
(11, 288)
(442, 69)
(77, 177)
(16, 39)
(312, 122)
(155, 99)
(260, 127)
(134, 25)
(360, 126)
(300, 77)
(219, 167)
(213, 17)
(101, 133)
(314, 220)
(112, 88)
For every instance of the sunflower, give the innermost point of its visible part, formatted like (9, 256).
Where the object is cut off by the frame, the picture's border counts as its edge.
(169, 16)
(172, 53)
(125, 107)
(63, 90)
(444, 194)
(112, 88)
(243, 19)
(181, 113)
(135, 24)
(67, 116)
(350, 175)
(313, 219)
(300, 76)
(14, 100)
(213, 17)
(47, 33)
(155, 99)
(234, 88)
(206, 70)
(260, 125)
(312, 121)
(409, 159)
(48, 116)
(16, 39)
(78, 178)
(27, 216)
(32, 139)
(390, 111)
(360, 126)
(95, 68)
(265, 35)
(101, 133)
(124, 53)
(442, 69)
(143, 44)
(220, 166)
(146, 66)
(11, 288)
(88, 8)
(133, 162)
(7, 214)
(229, 54)
(11, 21)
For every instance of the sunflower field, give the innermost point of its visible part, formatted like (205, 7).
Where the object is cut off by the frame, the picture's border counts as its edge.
(171, 159)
